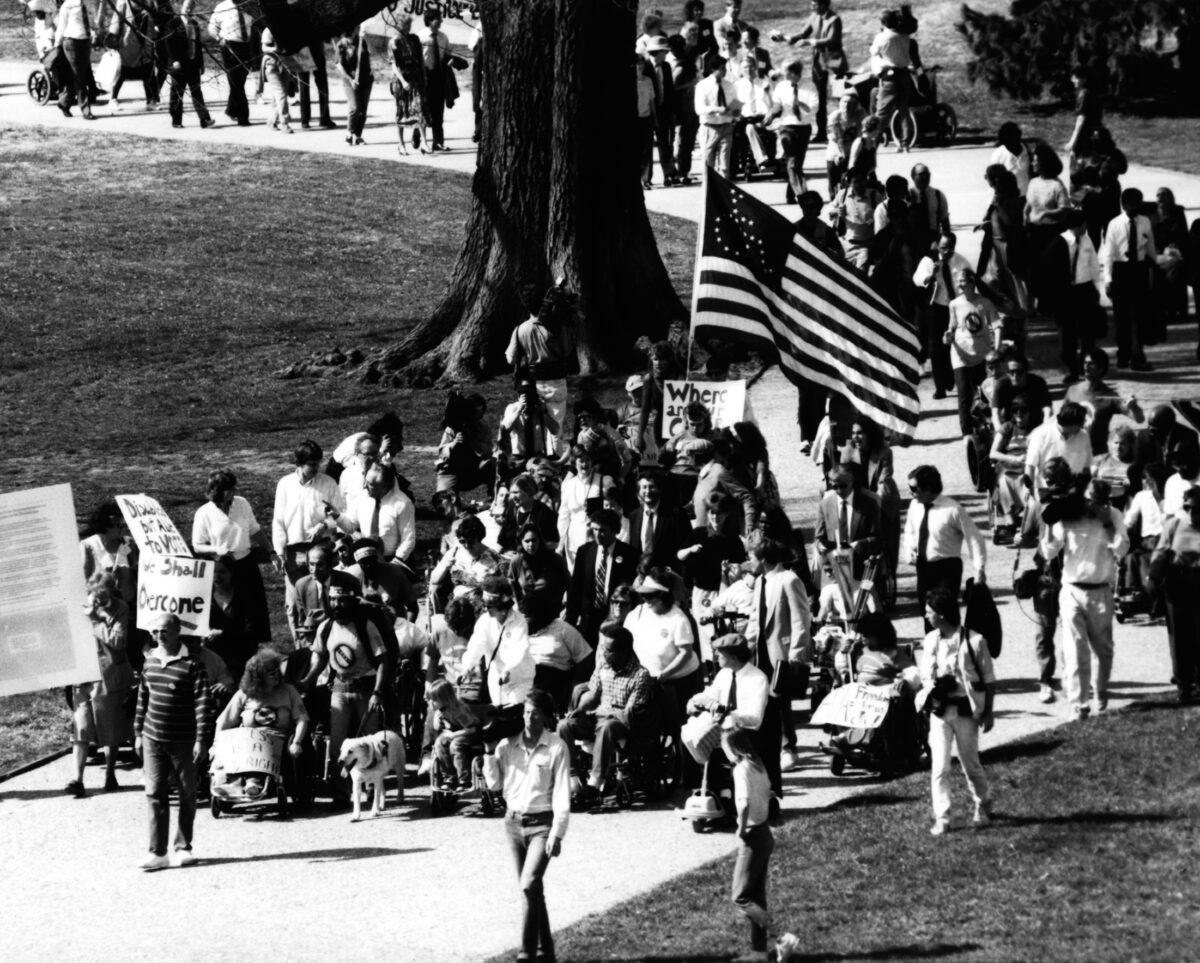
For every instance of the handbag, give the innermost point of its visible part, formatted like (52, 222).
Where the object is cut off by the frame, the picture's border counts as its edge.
(700, 735)
(474, 689)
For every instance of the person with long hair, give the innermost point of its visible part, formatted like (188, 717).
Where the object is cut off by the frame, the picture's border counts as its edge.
(107, 549)
(458, 735)
(866, 447)
(536, 568)
(751, 462)
(408, 85)
(752, 800)
(582, 494)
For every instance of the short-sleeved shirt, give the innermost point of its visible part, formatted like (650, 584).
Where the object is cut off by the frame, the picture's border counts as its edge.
(534, 344)
(228, 534)
(558, 645)
(658, 639)
(350, 656)
(971, 322)
(280, 710)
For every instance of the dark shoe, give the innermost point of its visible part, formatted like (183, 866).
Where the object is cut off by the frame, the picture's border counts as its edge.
(75, 788)
(178, 124)
(244, 122)
(773, 808)
(111, 784)
(304, 124)
(475, 137)
(87, 114)
(1121, 363)
(1141, 365)
(328, 123)
(416, 137)
(939, 395)
(65, 109)
(208, 122)
(338, 806)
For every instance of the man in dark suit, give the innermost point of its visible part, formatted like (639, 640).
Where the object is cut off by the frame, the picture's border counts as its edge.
(655, 530)
(600, 566)
(1161, 440)
(848, 519)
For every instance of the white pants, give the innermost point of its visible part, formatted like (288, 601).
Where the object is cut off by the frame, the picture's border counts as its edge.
(1087, 619)
(945, 732)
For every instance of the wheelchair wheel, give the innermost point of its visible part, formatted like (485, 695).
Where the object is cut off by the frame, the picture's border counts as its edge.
(837, 764)
(39, 86)
(905, 131)
(281, 799)
(214, 807)
(945, 124)
(699, 826)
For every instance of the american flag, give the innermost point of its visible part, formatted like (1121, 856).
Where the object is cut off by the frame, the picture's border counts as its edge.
(760, 281)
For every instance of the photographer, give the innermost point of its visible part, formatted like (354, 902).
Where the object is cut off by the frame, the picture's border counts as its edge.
(528, 429)
(1091, 540)
(465, 452)
(539, 351)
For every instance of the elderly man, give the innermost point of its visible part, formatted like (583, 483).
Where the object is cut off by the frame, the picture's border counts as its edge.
(382, 512)
(1091, 545)
(616, 701)
(935, 276)
(928, 208)
(936, 532)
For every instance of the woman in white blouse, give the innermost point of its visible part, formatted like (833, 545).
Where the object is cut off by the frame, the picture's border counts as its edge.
(582, 494)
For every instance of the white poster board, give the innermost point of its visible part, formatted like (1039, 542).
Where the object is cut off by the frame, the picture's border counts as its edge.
(725, 401)
(249, 749)
(855, 706)
(176, 586)
(46, 638)
(151, 527)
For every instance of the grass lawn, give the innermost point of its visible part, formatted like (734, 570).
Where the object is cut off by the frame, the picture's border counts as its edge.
(146, 314)
(32, 725)
(1091, 857)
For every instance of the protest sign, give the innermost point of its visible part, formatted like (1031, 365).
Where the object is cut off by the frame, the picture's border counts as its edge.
(855, 706)
(249, 749)
(151, 526)
(725, 401)
(176, 586)
(46, 637)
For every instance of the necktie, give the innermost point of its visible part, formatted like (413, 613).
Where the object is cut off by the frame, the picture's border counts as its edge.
(648, 532)
(947, 281)
(601, 578)
(796, 101)
(720, 94)
(245, 34)
(732, 702)
(1075, 261)
(844, 523)
(923, 536)
(762, 654)
(87, 22)
(436, 52)
(1133, 244)
(374, 526)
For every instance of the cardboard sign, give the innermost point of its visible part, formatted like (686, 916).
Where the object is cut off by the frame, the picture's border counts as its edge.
(855, 706)
(151, 526)
(248, 749)
(46, 638)
(725, 401)
(178, 586)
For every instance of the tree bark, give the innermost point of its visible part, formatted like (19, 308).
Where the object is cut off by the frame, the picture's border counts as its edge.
(556, 193)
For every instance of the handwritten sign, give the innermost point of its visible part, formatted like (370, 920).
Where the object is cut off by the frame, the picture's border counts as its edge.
(176, 586)
(151, 526)
(855, 706)
(249, 750)
(725, 401)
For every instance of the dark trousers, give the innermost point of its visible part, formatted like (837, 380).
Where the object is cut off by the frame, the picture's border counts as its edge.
(1045, 614)
(435, 104)
(320, 77)
(645, 136)
(235, 59)
(79, 57)
(937, 321)
(940, 573)
(835, 171)
(966, 381)
(794, 141)
(527, 836)
(1078, 325)
(159, 761)
(820, 79)
(768, 741)
(1131, 305)
(664, 136)
(894, 92)
(675, 695)
(557, 682)
(1183, 625)
(750, 882)
(189, 77)
(357, 98)
(148, 85)
(685, 143)
(607, 733)
(247, 578)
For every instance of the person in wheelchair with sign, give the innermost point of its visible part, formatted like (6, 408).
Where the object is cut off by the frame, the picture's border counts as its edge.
(263, 701)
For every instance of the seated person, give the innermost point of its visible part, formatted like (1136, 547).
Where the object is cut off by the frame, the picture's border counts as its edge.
(381, 511)
(1115, 464)
(616, 703)
(1144, 520)
(1017, 380)
(312, 591)
(465, 452)
(466, 564)
(882, 662)
(536, 567)
(459, 736)
(753, 92)
(709, 549)
(1009, 449)
(384, 583)
(737, 695)
(524, 508)
(560, 654)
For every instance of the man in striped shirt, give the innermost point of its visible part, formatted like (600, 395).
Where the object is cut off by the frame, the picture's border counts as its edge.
(173, 729)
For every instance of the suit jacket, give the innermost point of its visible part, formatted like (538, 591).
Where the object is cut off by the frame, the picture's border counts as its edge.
(671, 532)
(786, 619)
(864, 526)
(582, 610)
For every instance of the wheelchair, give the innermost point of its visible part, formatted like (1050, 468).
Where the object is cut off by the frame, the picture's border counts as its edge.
(926, 119)
(744, 166)
(43, 84)
(409, 716)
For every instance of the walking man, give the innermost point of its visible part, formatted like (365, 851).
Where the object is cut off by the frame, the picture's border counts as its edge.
(1128, 254)
(230, 25)
(74, 32)
(935, 533)
(823, 33)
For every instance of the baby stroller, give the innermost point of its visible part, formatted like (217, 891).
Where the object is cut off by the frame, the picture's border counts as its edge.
(45, 82)
(247, 767)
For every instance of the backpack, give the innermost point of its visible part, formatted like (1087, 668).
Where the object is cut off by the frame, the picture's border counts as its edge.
(982, 617)
(367, 613)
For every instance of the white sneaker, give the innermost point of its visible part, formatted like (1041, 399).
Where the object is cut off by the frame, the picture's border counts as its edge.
(182, 857)
(153, 862)
(1045, 693)
(939, 828)
(983, 817)
(788, 760)
(426, 765)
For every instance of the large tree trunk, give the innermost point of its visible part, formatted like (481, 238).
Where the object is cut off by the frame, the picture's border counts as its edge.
(556, 192)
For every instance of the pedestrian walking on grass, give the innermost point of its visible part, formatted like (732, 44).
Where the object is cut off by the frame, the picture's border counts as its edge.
(173, 729)
(752, 799)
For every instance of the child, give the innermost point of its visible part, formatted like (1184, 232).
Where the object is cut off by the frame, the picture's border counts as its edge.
(173, 729)
(276, 76)
(752, 799)
(458, 728)
(971, 335)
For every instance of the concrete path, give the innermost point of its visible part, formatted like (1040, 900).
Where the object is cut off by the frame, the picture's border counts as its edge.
(426, 890)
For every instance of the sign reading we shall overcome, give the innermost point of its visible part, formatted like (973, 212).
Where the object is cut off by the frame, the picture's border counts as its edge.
(725, 401)
(175, 586)
(151, 526)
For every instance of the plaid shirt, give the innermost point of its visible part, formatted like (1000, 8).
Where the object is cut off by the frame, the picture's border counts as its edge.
(625, 689)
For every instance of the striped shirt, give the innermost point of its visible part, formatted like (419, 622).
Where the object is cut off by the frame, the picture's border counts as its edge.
(174, 704)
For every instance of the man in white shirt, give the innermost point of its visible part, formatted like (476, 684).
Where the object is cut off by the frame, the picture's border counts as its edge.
(75, 31)
(1128, 254)
(792, 114)
(936, 531)
(754, 93)
(738, 693)
(935, 276)
(1063, 437)
(501, 642)
(1012, 154)
(231, 25)
(824, 33)
(891, 57)
(1091, 546)
(383, 512)
(1083, 300)
(435, 49)
(717, 107)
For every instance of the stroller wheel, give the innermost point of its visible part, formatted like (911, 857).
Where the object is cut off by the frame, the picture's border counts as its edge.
(39, 87)
(837, 764)
(486, 805)
(698, 826)
(214, 806)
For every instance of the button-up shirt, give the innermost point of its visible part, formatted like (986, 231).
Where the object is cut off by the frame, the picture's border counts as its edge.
(937, 208)
(950, 529)
(300, 507)
(225, 534)
(797, 109)
(1116, 242)
(929, 268)
(1090, 552)
(229, 23)
(890, 49)
(1085, 263)
(504, 648)
(397, 526)
(435, 49)
(533, 780)
(753, 687)
(73, 21)
(621, 689)
(708, 109)
(1047, 441)
(755, 96)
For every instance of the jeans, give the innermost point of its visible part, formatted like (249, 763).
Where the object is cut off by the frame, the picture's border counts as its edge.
(527, 836)
(347, 715)
(79, 56)
(159, 760)
(750, 882)
(1045, 613)
(277, 88)
(1087, 618)
(962, 731)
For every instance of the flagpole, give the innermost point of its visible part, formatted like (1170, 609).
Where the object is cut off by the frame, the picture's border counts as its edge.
(687, 371)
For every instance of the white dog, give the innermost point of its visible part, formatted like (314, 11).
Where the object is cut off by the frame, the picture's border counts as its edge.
(368, 760)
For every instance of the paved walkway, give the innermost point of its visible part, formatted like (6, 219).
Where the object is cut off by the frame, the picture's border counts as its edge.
(321, 887)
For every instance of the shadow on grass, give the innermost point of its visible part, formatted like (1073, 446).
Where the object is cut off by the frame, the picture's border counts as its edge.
(1021, 750)
(871, 799)
(914, 952)
(1088, 818)
(319, 855)
(1140, 708)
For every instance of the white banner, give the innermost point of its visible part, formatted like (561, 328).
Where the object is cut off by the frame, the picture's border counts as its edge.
(178, 586)
(46, 638)
(151, 526)
(725, 401)
(249, 749)
(855, 706)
